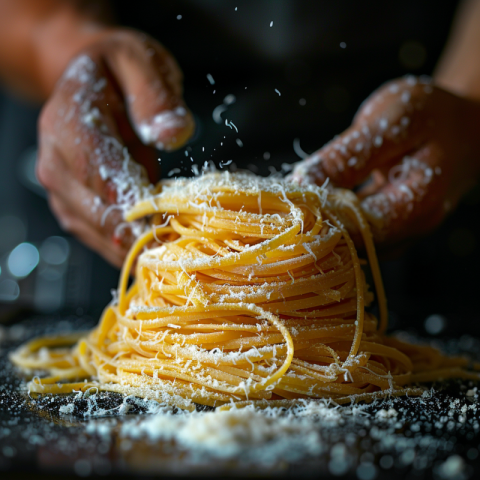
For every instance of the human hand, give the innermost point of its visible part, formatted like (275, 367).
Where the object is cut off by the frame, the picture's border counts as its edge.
(120, 96)
(413, 150)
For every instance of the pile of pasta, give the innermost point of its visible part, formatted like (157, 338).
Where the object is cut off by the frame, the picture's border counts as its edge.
(247, 290)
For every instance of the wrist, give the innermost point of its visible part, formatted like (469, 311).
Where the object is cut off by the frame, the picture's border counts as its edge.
(57, 40)
(458, 69)
(39, 37)
(463, 84)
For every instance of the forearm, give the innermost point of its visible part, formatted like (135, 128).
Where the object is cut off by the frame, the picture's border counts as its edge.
(459, 67)
(39, 37)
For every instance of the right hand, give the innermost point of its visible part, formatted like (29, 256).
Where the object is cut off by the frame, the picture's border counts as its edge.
(118, 98)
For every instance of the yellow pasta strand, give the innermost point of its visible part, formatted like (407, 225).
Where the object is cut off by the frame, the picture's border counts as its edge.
(247, 291)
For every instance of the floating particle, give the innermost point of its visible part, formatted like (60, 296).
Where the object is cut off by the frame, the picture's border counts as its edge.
(210, 79)
(279, 94)
(239, 142)
(302, 102)
(231, 125)
(298, 149)
(179, 17)
(343, 45)
(271, 24)
(174, 172)
(226, 163)
(229, 99)
(266, 156)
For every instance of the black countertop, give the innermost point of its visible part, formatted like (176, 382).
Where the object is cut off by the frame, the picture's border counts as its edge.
(434, 436)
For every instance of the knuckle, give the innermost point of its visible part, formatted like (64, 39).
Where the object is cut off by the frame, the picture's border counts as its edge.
(65, 223)
(43, 120)
(140, 38)
(47, 117)
(68, 222)
(45, 172)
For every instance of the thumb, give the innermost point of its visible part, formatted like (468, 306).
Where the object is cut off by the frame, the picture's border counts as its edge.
(151, 83)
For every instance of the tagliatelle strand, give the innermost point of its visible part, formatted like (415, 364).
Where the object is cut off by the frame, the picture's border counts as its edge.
(247, 291)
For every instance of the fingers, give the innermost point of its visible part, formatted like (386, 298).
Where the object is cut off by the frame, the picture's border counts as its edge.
(88, 208)
(412, 142)
(386, 127)
(411, 202)
(79, 125)
(84, 165)
(373, 184)
(123, 87)
(83, 230)
(151, 83)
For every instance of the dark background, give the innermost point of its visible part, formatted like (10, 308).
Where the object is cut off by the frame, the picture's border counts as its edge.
(324, 58)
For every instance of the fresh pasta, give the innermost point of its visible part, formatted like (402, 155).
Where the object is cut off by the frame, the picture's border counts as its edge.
(247, 290)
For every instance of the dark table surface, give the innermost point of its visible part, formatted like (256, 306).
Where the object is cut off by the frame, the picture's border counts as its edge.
(434, 436)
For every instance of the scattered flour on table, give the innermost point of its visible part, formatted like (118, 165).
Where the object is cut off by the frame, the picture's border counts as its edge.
(231, 433)
(257, 435)
(67, 409)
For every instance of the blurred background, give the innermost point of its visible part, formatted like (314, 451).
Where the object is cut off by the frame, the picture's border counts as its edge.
(288, 75)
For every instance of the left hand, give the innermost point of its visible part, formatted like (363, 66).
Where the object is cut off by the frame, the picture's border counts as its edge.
(413, 150)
